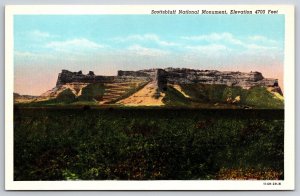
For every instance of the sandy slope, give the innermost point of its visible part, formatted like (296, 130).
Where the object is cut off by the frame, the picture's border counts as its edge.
(179, 89)
(276, 94)
(144, 97)
(76, 88)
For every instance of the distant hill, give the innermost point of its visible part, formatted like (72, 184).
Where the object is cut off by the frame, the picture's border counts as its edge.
(168, 87)
(24, 98)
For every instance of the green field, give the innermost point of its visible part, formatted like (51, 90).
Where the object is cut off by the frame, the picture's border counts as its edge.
(86, 143)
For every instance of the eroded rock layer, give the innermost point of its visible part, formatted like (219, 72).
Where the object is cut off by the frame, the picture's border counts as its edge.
(162, 77)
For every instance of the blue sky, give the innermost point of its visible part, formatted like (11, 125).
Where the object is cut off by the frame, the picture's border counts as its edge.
(45, 44)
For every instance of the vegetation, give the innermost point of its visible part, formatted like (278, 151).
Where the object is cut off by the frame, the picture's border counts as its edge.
(147, 144)
(92, 92)
(175, 98)
(64, 98)
(260, 97)
(256, 97)
(67, 96)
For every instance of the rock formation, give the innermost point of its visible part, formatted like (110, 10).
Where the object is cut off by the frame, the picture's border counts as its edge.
(158, 87)
(162, 77)
(66, 77)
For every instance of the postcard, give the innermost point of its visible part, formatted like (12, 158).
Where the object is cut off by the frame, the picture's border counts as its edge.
(149, 97)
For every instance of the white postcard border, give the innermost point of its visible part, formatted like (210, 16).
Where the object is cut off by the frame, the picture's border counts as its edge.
(289, 87)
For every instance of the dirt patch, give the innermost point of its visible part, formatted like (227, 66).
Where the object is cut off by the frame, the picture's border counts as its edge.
(145, 97)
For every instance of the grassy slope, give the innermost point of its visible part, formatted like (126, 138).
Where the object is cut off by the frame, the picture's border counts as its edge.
(64, 98)
(175, 98)
(258, 97)
(90, 95)
(92, 92)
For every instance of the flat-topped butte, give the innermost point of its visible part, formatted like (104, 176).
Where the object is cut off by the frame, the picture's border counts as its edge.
(171, 87)
(173, 76)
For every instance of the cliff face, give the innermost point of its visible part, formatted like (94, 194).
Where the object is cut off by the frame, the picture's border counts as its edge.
(162, 77)
(66, 77)
(70, 77)
(244, 80)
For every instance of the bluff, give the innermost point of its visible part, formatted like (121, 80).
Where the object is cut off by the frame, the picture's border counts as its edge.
(162, 77)
(165, 87)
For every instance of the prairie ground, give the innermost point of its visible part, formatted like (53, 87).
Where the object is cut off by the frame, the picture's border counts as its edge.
(147, 144)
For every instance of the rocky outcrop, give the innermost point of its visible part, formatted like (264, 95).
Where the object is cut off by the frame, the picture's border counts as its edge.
(70, 77)
(132, 73)
(67, 77)
(244, 80)
(162, 77)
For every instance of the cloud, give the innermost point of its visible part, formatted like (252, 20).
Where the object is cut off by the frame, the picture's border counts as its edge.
(254, 42)
(205, 54)
(78, 44)
(145, 38)
(262, 40)
(143, 51)
(260, 47)
(31, 55)
(23, 54)
(211, 48)
(226, 49)
(40, 34)
(218, 48)
(215, 37)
